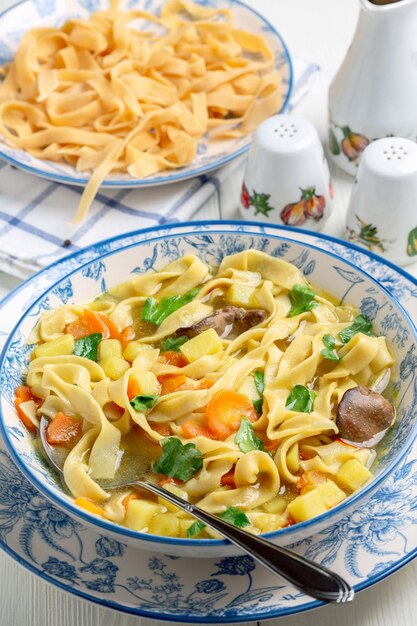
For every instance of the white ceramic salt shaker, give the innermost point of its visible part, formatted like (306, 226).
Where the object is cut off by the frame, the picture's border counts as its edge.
(374, 93)
(382, 213)
(287, 179)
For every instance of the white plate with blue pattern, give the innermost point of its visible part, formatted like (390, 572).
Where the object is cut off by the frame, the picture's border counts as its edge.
(210, 154)
(365, 547)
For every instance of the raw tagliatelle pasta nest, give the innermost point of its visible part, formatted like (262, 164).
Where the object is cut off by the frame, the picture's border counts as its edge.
(159, 378)
(134, 92)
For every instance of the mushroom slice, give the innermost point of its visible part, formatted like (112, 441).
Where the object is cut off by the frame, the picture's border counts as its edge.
(364, 416)
(226, 320)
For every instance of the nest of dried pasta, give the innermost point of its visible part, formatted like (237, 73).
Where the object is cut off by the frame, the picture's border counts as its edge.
(134, 92)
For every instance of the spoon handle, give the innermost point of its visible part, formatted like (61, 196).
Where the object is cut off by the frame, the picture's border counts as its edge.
(311, 578)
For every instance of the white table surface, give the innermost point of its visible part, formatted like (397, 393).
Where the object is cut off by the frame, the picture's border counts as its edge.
(318, 30)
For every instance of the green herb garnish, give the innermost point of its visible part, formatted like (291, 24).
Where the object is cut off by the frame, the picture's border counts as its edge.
(156, 312)
(235, 516)
(329, 351)
(195, 529)
(87, 346)
(360, 325)
(173, 343)
(259, 379)
(232, 515)
(302, 300)
(247, 439)
(177, 460)
(301, 399)
(143, 402)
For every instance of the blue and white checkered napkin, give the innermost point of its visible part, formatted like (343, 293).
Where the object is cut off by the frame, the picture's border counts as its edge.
(35, 214)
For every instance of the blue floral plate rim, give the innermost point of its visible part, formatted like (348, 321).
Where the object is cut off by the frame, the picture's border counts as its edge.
(104, 524)
(383, 572)
(182, 174)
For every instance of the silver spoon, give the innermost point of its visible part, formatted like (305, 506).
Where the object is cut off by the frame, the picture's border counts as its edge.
(311, 578)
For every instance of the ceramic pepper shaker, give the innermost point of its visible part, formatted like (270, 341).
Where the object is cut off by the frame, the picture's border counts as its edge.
(382, 213)
(374, 93)
(287, 179)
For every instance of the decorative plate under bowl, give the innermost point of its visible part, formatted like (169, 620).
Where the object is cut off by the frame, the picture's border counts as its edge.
(369, 545)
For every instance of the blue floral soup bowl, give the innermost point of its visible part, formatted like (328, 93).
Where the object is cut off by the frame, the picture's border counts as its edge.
(324, 269)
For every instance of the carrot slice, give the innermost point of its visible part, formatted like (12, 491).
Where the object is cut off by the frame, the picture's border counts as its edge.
(127, 334)
(89, 505)
(228, 480)
(23, 393)
(78, 329)
(173, 358)
(205, 383)
(270, 444)
(226, 410)
(114, 331)
(174, 382)
(100, 323)
(63, 430)
(191, 429)
(133, 388)
(91, 322)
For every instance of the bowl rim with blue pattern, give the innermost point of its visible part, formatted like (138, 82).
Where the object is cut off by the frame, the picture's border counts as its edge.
(203, 163)
(287, 535)
(372, 540)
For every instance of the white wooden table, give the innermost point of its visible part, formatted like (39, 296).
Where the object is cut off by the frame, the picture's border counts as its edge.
(318, 30)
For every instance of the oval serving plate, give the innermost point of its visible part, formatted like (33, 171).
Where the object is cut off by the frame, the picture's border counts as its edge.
(210, 154)
(366, 547)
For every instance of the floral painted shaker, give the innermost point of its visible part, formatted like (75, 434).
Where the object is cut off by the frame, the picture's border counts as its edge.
(374, 93)
(382, 213)
(287, 179)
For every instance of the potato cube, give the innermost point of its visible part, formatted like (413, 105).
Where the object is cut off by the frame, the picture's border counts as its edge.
(165, 525)
(175, 490)
(276, 505)
(114, 367)
(63, 345)
(133, 349)
(267, 522)
(331, 493)
(139, 513)
(293, 458)
(148, 383)
(240, 294)
(307, 506)
(184, 525)
(208, 342)
(353, 475)
(108, 348)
